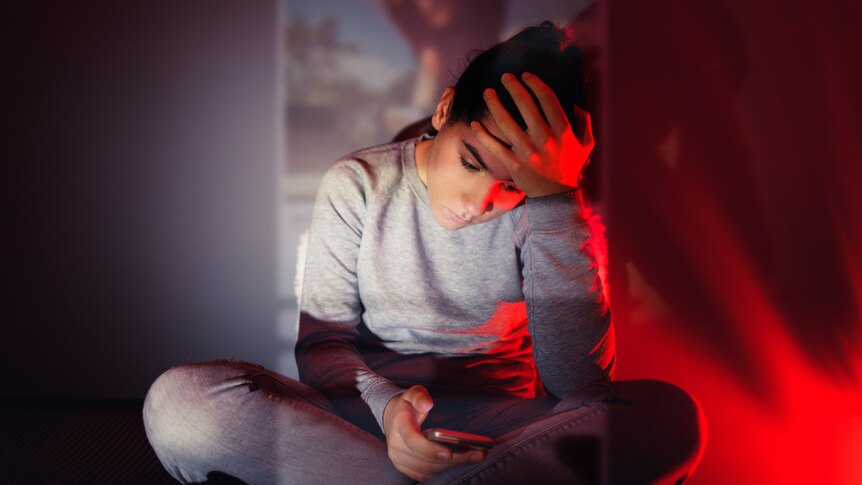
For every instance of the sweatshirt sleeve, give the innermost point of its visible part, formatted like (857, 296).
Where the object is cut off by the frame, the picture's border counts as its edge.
(569, 318)
(330, 308)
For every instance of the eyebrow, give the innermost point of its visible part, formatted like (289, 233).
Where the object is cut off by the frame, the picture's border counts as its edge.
(478, 157)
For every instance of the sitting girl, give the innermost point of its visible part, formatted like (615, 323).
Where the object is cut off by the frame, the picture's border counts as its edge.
(450, 283)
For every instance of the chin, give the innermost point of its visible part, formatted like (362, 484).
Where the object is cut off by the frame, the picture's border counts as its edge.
(447, 223)
(450, 226)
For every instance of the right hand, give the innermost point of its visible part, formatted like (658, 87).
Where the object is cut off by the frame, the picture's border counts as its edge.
(410, 452)
(547, 157)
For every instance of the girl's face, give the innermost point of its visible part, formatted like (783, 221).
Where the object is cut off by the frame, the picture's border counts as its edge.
(466, 184)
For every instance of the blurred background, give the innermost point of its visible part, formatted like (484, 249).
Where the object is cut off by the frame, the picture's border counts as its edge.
(160, 162)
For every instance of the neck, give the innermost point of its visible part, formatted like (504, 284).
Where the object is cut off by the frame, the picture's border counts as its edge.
(421, 155)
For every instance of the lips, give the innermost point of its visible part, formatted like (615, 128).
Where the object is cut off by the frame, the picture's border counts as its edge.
(456, 218)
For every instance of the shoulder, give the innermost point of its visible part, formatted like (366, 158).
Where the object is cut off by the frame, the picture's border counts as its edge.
(370, 171)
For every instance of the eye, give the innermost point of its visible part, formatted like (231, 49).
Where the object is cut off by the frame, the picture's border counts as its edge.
(510, 188)
(469, 166)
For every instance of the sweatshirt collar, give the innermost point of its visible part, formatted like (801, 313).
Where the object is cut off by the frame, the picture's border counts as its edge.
(408, 162)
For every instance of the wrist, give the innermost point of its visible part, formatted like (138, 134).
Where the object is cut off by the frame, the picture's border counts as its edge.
(550, 189)
(387, 411)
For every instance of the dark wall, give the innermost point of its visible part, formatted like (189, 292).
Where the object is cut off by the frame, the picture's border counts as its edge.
(735, 224)
(140, 157)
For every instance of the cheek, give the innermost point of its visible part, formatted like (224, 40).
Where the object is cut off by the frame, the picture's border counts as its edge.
(506, 200)
(502, 201)
(444, 185)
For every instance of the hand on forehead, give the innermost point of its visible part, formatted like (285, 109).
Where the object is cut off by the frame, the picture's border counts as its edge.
(495, 167)
(545, 158)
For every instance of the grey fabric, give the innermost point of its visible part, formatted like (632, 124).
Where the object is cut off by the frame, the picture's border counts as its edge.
(391, 299)
(238, 420)
(503, 322)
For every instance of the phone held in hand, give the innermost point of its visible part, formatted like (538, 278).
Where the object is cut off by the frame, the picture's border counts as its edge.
(459, 440)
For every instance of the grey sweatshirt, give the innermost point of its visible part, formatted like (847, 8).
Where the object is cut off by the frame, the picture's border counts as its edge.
(391, 299)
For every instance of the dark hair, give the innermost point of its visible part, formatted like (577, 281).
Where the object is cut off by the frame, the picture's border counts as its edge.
(544, 50)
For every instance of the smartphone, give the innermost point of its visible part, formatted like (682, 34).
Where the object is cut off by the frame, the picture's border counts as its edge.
(458, 440)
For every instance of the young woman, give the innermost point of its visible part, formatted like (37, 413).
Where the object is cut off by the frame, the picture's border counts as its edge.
(449, 283)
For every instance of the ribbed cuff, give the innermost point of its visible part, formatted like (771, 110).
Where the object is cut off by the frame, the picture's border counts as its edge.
(377, 396)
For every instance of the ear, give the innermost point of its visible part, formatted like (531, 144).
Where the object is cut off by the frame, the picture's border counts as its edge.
(441, 114)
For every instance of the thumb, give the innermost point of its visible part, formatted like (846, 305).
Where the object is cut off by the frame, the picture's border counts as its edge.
(586, 129)
(420, 399)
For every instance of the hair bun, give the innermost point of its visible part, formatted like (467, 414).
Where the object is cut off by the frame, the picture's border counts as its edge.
(548, 34)
(545, 50)
(573, 52)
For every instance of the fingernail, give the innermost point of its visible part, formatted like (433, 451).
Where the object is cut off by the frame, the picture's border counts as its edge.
(508, 77)
(474, 125)
(489, 93)
(443, 455)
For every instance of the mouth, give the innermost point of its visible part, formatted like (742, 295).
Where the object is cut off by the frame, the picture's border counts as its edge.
(455, 217)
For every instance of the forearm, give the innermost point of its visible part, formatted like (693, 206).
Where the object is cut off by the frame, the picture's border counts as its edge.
(328, 360)
(569, 319)
(330, 305)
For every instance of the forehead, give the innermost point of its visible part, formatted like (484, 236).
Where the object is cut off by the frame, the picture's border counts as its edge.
(495, 130)
(495, 167)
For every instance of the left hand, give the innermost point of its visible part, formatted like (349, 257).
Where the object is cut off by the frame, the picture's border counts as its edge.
(410, 452)
(547, 158)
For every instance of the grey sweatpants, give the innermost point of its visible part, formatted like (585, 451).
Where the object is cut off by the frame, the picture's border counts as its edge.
(238, 419)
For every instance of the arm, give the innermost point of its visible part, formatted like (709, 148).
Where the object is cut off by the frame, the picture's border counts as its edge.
(569, 321)
(330, 312)
(330, 306)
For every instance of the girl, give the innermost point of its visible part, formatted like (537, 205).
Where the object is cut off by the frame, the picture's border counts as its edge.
(449, 283)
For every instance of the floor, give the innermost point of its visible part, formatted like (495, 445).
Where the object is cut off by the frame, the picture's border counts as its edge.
(76, 441)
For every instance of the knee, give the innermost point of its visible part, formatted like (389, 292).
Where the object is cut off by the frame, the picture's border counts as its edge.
(182, 412)
(663, 425)
(170, 402)
(685, 427)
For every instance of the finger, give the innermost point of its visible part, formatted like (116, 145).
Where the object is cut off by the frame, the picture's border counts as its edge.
(586, 135)
(515, 165)
(549, 102)
(420, 400)
(521, 142)
(412, 441)
(536, 125)
(493, 145)
(421, 447)
(472, 456)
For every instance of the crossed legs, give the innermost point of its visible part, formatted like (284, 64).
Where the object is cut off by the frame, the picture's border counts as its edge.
(239, 419)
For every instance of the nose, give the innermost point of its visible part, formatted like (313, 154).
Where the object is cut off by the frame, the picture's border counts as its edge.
(481, 200)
